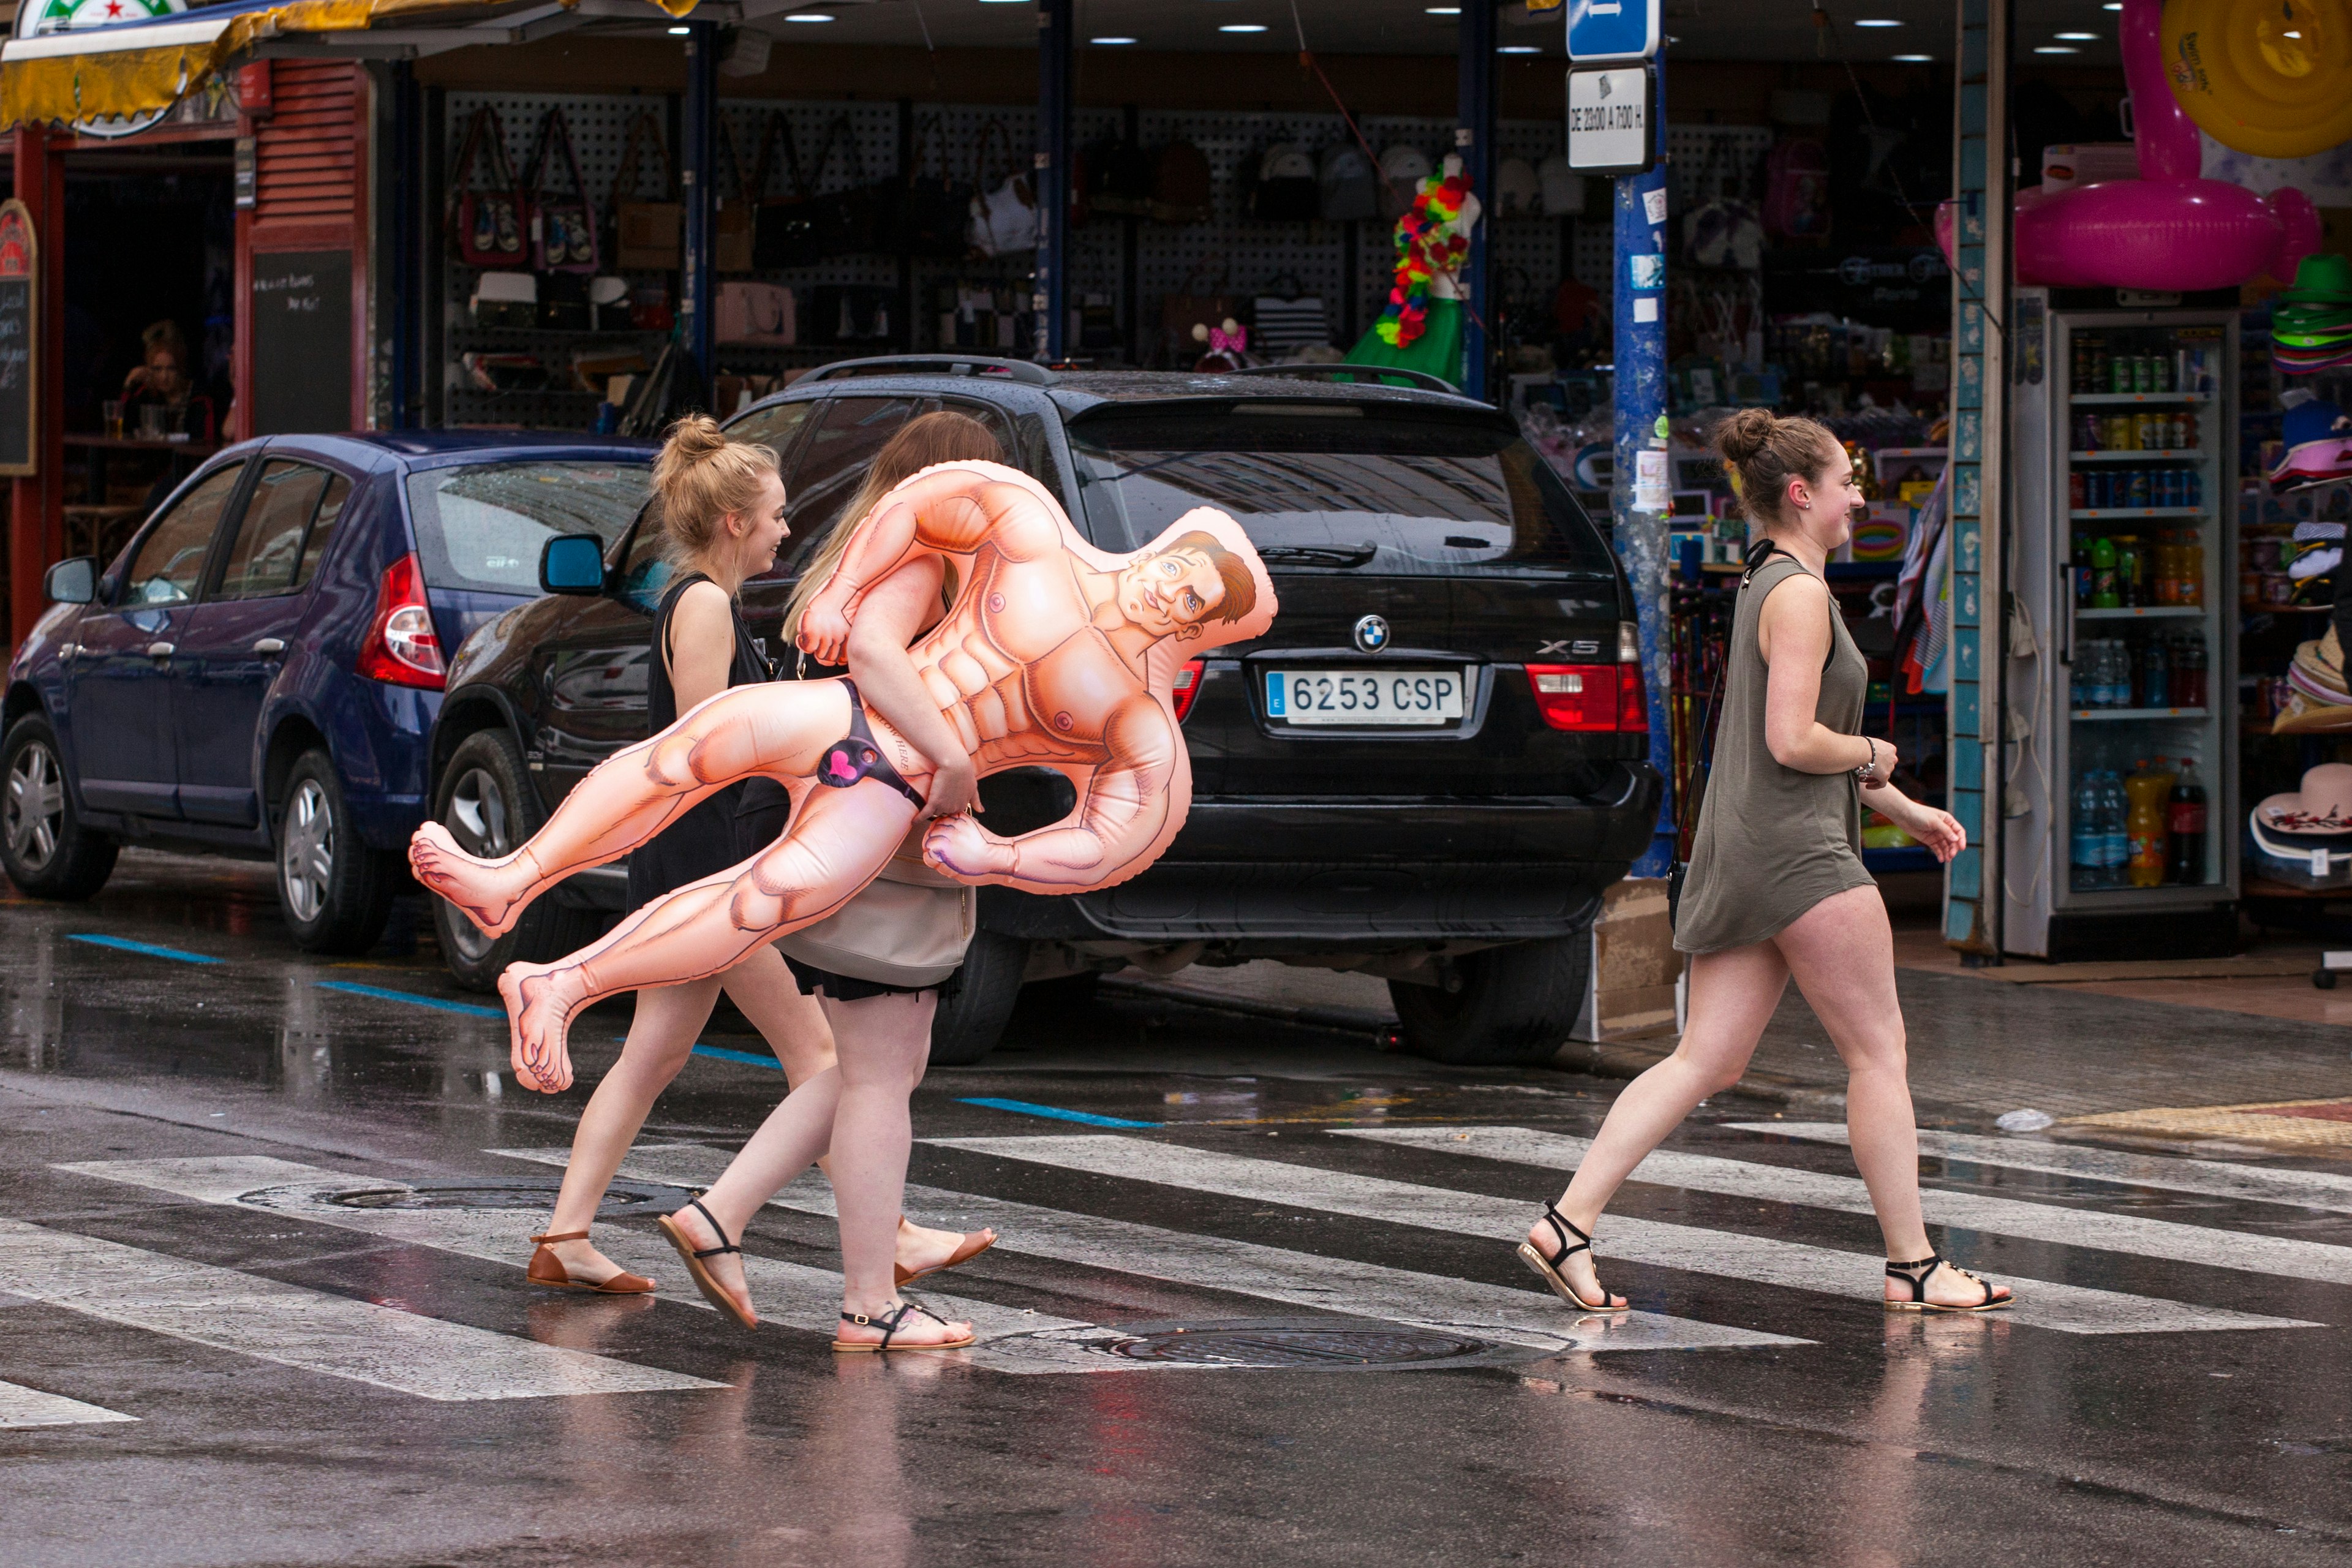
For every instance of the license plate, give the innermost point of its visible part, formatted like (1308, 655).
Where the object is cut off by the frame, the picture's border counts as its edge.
(1364, 697)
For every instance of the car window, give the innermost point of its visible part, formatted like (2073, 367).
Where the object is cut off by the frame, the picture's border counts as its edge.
(833, 462)
(776, 426)
(1392, 489)
(322, 529)
(170, 565)
(481, 527)
(269, 543)
(645, 570)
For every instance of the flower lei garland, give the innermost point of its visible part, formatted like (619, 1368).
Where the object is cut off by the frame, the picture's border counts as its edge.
(1427, 243)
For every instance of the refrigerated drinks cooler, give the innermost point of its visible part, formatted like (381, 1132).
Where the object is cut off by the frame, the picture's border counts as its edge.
(2123, 688)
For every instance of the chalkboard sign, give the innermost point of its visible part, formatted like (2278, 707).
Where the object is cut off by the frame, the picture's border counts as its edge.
(302, 305)
(20, 280)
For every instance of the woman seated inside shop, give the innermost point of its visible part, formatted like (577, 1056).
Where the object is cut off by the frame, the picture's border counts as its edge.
(162, 380)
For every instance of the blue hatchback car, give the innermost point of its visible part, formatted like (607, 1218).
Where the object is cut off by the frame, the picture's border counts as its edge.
(257, 672)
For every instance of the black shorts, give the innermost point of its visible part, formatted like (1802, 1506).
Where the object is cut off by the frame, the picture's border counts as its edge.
(849, 988)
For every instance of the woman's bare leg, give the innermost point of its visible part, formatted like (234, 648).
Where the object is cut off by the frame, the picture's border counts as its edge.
(837, 841)
(1732, 995)
(1843, 955)
(779, 729)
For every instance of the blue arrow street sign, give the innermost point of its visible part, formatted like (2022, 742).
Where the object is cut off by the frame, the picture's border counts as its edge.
(1613, 29)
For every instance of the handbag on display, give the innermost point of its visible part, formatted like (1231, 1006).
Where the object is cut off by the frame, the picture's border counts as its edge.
(784, 228)
(1287, 319)
(849, 314)
(1182, 184)
(1518, 193)
(935, 207)
(1285, 189)
(1351, 186)
(490, 226)
(564, 302)
(647, 236)
(563, 229)
(749, 313)
(1120, 179)
(860, 217)
(1003, 216)
(1204, 303)
(910, 926)
(735, 211)
(1725, 230)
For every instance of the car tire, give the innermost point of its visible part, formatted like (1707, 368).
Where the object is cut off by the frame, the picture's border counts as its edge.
(484, 799)
(44, 847)
(335, 892)
(972, 1015)
(1514, 1007)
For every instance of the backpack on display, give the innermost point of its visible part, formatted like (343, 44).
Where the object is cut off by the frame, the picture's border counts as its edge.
(563, 229)
(490, 227)
(647, 236)
(1351, 187)
(1403, 169)
(1285, 189)
(1517, 192)
(1003, 214)
(1797, 190)
(1121, 174)
(1559, 187)
(1286, 317)
(1180, 185)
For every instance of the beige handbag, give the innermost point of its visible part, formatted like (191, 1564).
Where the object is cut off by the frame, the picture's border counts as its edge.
(649, 235)
(908, 926)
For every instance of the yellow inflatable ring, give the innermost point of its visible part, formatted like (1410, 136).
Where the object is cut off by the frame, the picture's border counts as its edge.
(2271, 77)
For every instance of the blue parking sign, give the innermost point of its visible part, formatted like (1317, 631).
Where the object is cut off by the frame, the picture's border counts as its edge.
(1613, 29)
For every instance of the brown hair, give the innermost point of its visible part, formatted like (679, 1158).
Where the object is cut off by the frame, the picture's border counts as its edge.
(164, 334)
(942, 437)
(1241, 588)
(1764, 452)
(701, 476)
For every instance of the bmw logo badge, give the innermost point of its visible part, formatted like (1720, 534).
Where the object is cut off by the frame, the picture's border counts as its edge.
(1372, 634)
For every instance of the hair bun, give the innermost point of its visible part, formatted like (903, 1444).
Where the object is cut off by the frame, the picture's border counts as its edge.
(694, 437)
(1744, 434)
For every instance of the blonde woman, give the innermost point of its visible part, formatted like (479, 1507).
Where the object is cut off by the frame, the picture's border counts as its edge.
(723, 509)
(1776, 886)
(881, 1032)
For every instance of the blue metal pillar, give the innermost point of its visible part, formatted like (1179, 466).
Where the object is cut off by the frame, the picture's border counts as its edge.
(1473, 139)
(1050, 300)
(1638, 499)
(407, 231)
(697, 182)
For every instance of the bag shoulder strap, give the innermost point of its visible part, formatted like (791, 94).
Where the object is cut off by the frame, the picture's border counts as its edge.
(486, 119)
(927, 136)
(553, 129)
(780, 129)
(980, 155)
(625, 177)
(841, 131)
(734, 156)
(1687, 809)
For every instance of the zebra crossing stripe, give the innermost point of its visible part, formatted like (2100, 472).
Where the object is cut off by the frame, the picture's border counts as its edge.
(2138, 1234)
(2068, 1308)
(1519, 1317)
(788, 1292)
(2327, 1189)
(22, 1406)
(333, 1335)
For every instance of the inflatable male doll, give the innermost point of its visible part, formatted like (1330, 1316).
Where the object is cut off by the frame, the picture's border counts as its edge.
(1054, 654)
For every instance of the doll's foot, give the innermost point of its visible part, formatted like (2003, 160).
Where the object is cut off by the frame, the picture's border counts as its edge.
(491, 893)
(540, 999)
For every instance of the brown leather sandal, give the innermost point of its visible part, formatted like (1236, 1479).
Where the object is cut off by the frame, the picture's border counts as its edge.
(974, 1243)
(704, 1280)
(548, 1269)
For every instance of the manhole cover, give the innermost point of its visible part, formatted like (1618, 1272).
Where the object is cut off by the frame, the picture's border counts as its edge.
(622, 1200)
(1303, 1344)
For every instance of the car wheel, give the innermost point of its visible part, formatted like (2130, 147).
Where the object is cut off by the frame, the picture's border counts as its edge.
(485, 801)
(1515, 1006)
(971, 1017)
(43, 846)
(334, 890)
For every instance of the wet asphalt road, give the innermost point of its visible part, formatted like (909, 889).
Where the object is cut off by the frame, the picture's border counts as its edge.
(261, 1239)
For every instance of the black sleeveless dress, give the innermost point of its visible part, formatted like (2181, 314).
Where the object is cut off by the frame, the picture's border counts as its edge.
(706, 839)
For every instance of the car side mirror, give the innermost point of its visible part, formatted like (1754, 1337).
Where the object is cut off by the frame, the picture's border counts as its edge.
(572, 563)
(73, 580)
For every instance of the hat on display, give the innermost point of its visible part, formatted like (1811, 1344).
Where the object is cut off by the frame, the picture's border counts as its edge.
(2302, 716)
(1405, 167)
(2311, 322)
(2322, 806)
(2319, 442)
(1517, 192)
(2324, 279)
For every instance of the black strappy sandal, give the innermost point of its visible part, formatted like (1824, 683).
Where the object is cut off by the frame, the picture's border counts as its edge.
(704, 1280)
(1547, 1268)
(1926, 1267)
(890, 1323)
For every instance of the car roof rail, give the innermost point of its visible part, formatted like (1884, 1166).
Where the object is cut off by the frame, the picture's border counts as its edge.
(1020, 370)
(1420, 380)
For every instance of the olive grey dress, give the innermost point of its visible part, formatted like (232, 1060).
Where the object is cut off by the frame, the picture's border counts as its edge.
(1771, 842)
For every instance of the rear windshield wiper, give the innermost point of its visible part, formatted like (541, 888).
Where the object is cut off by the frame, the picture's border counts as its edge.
(1318, 555)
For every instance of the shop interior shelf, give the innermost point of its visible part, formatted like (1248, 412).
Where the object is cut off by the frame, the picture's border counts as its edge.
(2087, 715)
(2177, 454)
(2099, 511)
(2137, 612)
(2101, 399)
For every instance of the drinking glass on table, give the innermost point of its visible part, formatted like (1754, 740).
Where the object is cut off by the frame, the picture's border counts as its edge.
(112, 409)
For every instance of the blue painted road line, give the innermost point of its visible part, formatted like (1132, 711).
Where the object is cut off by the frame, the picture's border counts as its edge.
(414, 1000)
(1055, 1113)
(747, 1058)
(125, 945)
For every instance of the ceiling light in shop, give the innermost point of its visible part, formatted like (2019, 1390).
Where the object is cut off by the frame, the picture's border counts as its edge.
(2076, 38)
(1110, 40)
(1520, 49)
(1878, 22)
(2113, 6)
(2057, 50)
(680, 32)
(1913, 59)
(1445, 10)
(1241, 28)
(809, 16)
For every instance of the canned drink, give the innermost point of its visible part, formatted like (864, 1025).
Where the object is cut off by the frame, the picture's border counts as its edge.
(2120, 369)
(2094, 486)
(2137, 496)
(2087, 433)
(2184, 432)
(2119, 433)
(2171, 494)
(2192, 487)
(2142, 373)
(2078, 489)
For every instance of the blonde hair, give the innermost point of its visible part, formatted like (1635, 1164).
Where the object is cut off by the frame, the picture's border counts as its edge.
(700, 477)
(1764, 452)
(944, 437)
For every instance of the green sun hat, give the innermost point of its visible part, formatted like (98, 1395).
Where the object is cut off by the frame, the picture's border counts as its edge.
(2321, 280)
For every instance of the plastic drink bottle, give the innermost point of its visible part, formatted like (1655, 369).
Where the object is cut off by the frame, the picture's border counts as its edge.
(2185, 818)
(2114, 836)
(2086, 844)
(2155, 676)
(2103, 593)
(2150, 791)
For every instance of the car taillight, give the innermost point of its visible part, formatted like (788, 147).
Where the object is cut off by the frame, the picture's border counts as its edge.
(401, 646)
(1188, 687)
(1590, 695)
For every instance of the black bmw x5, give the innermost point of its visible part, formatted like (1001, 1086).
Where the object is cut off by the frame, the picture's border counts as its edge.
(1427, 771)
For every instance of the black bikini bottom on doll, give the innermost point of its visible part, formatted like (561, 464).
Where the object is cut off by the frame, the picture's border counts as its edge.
(856, 758)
